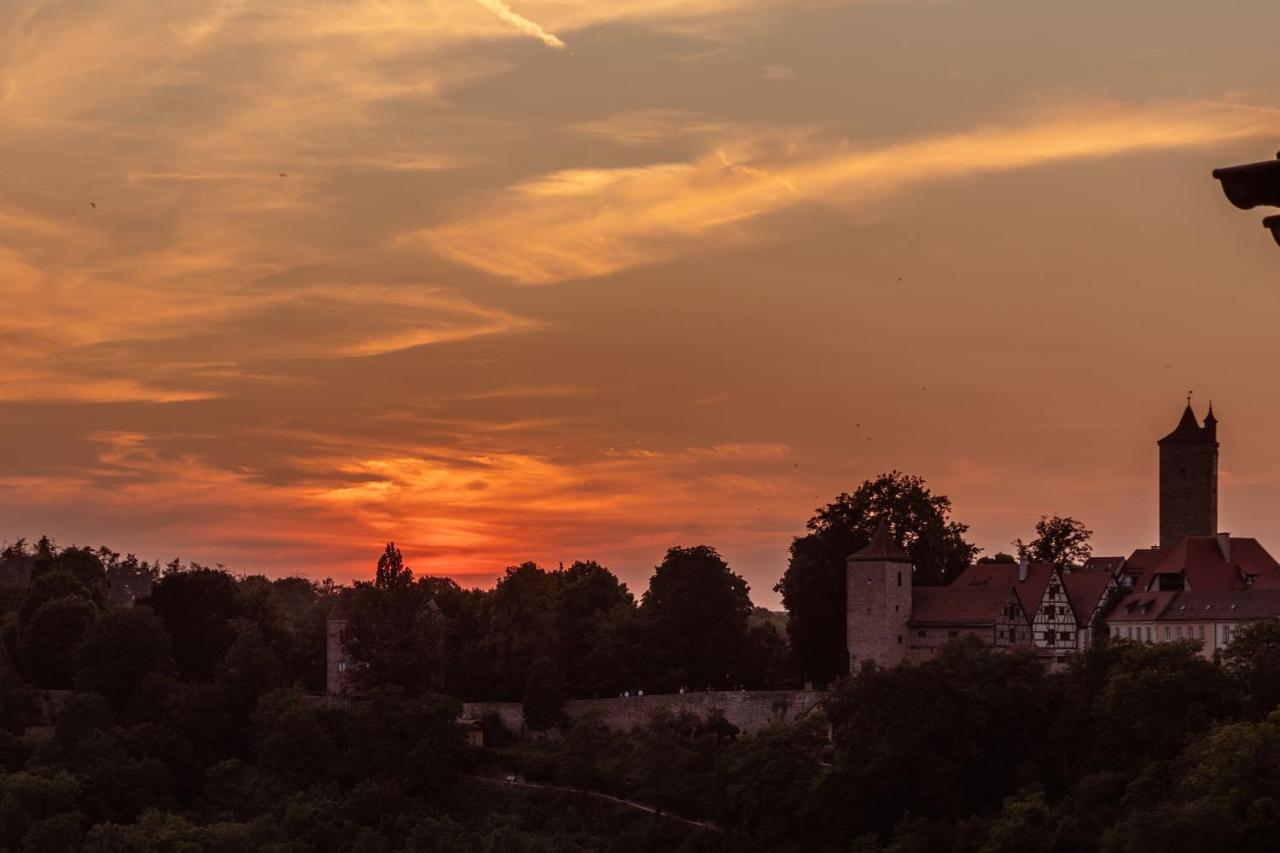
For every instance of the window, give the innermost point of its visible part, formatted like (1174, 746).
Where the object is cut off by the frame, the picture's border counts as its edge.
(1202, 632)
(1148, 633)
(1064, 636)
(1178, 632)
(899, 578)
(1131, 633)
(342, 666)
(895, 608)
(899, 639)
(921, 633)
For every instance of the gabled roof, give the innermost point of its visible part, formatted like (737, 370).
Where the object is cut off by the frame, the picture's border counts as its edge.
(959, 605)
(1207, 565)
(1030, 592)
(1085, 591)
(882, 547)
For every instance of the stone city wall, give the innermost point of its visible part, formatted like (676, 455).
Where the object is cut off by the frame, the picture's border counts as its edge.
(750, 711)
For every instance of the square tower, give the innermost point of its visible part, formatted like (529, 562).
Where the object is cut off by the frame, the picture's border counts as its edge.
(1189, 479)
(878, 601)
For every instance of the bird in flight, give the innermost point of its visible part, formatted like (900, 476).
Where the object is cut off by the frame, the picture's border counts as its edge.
(93, 205)
(284, 174)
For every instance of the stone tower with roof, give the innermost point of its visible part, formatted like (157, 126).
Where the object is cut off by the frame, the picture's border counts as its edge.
(1189, 479)
(878, 601)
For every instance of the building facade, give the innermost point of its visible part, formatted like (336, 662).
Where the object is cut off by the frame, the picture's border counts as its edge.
(1197, 584)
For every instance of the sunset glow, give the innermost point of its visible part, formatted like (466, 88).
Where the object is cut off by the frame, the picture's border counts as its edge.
(560, 280)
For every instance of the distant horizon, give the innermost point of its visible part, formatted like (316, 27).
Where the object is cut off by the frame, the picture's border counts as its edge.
(636, 575)
(579, 280)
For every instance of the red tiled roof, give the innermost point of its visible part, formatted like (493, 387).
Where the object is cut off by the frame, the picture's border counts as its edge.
(1110, 565)
(1085, 591)
(1141, 606)
(958, 605)
(1224, 605)
(1217, 605)
(1207, 568)
(1030, 592)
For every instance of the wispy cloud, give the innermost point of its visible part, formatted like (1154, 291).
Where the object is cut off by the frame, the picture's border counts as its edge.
(587, 222)
(521, 23)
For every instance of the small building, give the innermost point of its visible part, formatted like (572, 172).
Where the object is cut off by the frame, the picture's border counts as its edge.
(993, 613)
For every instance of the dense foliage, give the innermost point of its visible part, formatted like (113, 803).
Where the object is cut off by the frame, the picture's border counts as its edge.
(1131, 749)
(542, 636)
(813, 586)
(192, 721)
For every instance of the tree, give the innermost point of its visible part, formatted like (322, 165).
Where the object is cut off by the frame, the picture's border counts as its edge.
(544, 693)
(124, 647)
(1060, 540)
(392, 572)
(520, 626)
(1253, 661)
(588, 593)
(396, 636)
(129, 578)
(813, 586)
(47, 641)
(699, 609)
(395, 631)
(198, 608)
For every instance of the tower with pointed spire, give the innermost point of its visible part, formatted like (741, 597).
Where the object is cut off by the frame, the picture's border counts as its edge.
(1189, 479)
(878, 601)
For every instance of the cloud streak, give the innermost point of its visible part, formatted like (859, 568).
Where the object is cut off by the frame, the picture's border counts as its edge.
(590, 222)
(521, 23)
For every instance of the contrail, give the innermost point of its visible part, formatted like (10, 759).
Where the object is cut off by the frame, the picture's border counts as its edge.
(521, 23)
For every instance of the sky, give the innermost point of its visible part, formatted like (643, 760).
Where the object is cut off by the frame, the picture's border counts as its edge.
(555, 280)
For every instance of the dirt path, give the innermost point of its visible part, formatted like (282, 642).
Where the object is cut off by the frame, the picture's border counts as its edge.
(632, 804)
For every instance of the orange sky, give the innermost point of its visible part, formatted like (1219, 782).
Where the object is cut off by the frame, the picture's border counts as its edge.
(558, 279)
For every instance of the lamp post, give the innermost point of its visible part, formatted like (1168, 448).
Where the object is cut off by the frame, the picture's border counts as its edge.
(1251, 185)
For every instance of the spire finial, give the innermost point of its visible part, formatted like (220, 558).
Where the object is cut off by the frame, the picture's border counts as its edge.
(1189, 393)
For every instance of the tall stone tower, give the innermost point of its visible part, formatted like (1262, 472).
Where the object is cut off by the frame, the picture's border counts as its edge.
(1189, 479)
(878, 603)
(337, 679)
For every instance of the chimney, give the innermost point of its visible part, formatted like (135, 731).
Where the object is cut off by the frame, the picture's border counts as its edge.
(1022, 568)
(1224, 545)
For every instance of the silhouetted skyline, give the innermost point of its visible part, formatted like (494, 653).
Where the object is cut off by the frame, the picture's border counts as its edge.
(558, 281)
